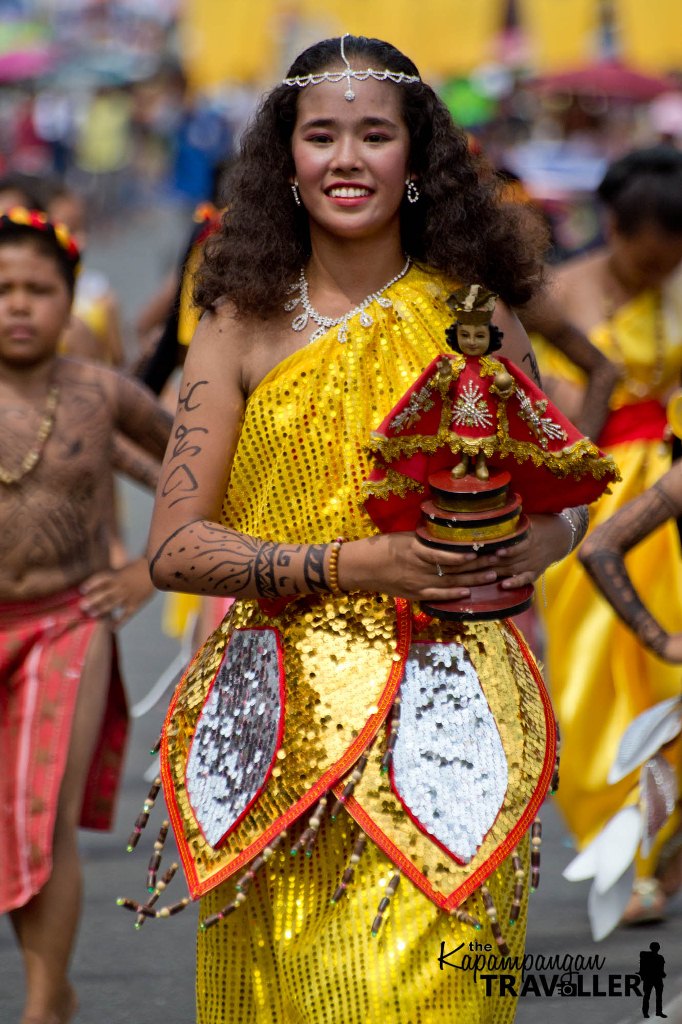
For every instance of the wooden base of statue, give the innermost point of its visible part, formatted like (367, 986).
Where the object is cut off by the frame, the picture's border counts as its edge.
(465, 514)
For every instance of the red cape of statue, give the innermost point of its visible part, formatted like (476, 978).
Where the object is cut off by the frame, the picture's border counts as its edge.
(455, 408)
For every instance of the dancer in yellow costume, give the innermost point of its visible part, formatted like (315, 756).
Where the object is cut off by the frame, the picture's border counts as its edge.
(285, 734)
(600, 676)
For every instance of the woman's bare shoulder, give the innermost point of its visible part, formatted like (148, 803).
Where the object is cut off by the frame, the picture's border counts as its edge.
(222, 323)
(237, 350)
(577, 287)
(580, 270)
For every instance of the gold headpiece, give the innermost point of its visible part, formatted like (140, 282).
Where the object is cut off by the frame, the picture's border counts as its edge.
(472, 304)
(301, 81)
(20, 216)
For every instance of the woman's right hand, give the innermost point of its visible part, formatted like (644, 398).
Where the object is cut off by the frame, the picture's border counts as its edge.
(400, 565)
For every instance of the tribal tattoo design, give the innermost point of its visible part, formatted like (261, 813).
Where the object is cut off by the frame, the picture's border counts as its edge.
(605, 564)
(208, 558)
(180, 483)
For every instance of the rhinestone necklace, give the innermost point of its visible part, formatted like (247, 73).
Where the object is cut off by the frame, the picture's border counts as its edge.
(32, 457)
(300, 322)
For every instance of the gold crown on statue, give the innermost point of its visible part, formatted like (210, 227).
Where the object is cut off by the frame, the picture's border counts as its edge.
(472, 304)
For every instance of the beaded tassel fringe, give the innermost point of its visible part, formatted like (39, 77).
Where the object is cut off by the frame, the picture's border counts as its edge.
(464, 917)
(143, 816)
(535, 844)
(161, 885)
(491, 911)
(384, 903)
(355, 777)
(347, 877)
(307, 838)
(144, 910)
(554, 784)
(243, 885)
(155, 859)
(519, 875)
(155, 886)
(306, 841)
(392, 736)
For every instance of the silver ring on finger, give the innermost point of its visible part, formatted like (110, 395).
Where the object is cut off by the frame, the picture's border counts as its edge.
(439, 570)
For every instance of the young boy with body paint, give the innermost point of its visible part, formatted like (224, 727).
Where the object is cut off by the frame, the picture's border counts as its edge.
(62, 708)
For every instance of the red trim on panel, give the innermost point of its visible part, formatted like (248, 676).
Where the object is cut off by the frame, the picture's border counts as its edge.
(199, 887)
(502, 851)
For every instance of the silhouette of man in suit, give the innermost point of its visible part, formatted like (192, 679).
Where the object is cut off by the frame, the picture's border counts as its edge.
(652, 973)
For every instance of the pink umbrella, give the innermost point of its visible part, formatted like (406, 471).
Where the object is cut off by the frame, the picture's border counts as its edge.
(605, 78)
(19, 65)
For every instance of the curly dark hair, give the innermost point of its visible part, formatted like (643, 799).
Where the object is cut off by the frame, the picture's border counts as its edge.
(458, 227)
(645, 187)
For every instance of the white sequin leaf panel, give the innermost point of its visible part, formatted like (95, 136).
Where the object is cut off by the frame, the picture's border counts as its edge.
(449, 767)
(237, 733)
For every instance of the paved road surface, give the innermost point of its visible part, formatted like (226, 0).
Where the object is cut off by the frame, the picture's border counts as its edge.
(146, 977)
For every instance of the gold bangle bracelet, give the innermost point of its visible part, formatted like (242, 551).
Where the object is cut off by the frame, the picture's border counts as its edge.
(333, 567)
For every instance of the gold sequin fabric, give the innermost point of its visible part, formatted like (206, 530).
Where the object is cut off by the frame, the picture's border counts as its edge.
(523, 720)
(343, 662)
(301, 460)
(342, 665)
(287, 956)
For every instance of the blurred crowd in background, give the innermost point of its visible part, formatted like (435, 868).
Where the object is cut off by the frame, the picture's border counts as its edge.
(137, 102)
(95, 94)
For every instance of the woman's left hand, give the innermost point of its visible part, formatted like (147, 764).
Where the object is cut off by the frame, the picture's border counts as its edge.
(548, 540)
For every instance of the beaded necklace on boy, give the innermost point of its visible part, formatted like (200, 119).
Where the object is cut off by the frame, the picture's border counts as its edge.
(300, 322)
(32, 457)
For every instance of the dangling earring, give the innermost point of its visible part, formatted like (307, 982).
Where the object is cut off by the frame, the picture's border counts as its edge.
(294, 189)
(412, 190)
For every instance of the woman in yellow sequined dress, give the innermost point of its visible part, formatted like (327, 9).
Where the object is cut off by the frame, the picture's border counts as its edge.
(600, 676)
(347, 845)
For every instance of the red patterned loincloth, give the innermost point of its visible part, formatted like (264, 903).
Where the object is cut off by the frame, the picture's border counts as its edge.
(43, 646)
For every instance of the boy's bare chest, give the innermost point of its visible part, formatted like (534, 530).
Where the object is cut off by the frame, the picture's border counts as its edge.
(58, 446)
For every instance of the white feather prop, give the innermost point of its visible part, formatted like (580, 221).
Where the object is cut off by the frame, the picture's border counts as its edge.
(645, 736)
(584, 865)
(610, 854)
(606, 909)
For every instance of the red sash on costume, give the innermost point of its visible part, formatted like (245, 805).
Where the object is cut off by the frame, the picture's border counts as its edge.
(43, 646)
(641, 421)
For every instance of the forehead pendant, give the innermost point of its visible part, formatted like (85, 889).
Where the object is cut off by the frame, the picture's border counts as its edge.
(348, 74)
(348, 94)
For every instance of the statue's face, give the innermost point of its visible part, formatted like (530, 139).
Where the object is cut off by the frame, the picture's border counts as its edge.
(473, 339)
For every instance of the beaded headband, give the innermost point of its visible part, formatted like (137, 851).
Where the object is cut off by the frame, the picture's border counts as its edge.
(19, 216)
(301, 81)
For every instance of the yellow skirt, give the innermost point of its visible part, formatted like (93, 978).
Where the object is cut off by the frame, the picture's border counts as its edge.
(288, 956)
(599, 675)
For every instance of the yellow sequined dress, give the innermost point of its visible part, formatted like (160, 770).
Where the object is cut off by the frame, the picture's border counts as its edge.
(600, 677)
(288, 702)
